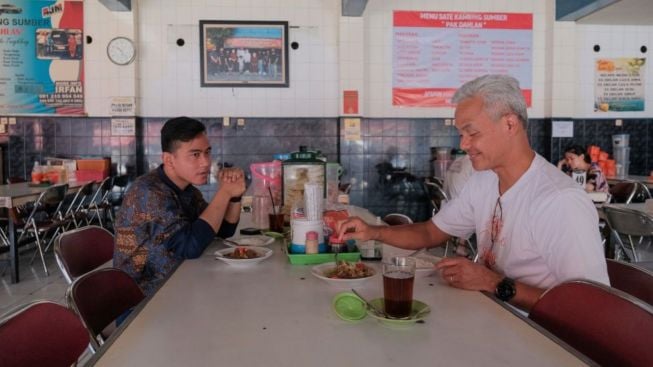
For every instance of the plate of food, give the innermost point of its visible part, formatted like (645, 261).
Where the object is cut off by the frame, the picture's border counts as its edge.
(344, 273)
(252, 241)
(243, 256)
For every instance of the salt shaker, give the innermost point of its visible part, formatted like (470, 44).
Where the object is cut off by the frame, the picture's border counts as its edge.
(311, 243)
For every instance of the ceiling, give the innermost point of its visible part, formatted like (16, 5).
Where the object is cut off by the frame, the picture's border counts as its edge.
(622, 12)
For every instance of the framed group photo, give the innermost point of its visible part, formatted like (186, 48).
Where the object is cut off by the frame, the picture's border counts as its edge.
(244, 53)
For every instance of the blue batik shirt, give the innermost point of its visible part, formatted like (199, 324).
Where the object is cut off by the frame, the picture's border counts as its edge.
(158, 226)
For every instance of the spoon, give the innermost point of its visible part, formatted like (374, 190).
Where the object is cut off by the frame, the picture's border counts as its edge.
(376, 311)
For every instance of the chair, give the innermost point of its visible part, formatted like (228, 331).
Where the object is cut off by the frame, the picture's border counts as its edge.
(100, 297)
(41, 333)
(118, 187)
(632, 279)
(635, 225)
(45, 217)
(82, 250)
(74, 212)
(436, 195)
(627, 192)
(607, 325)
(99, 202)
(395, 219)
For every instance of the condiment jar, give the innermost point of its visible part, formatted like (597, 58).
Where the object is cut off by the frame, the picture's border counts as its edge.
(337, 245)
(311, 242)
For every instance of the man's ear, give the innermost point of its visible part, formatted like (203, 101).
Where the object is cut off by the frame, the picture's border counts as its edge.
(166, 157)
(512, 122)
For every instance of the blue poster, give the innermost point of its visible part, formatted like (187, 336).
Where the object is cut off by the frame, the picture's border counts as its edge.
(41, 57)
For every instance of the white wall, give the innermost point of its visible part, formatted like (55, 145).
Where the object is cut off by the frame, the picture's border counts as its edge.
(336, 53)
(615, 41)
(378, 50)
(103, 79)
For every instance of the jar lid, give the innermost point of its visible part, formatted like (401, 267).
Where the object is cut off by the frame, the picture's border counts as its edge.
(311, 235)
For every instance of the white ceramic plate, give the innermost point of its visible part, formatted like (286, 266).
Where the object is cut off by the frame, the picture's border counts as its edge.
(319, 272)
(253, 241)
(263, 253)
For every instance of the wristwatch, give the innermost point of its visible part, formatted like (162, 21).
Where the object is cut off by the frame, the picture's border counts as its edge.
(236, 199)
(505, 289)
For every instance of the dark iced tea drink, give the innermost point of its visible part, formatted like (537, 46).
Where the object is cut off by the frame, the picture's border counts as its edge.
(398, 293)
(398, 280)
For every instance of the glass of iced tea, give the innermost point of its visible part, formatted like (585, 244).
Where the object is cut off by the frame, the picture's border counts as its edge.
(398, 279)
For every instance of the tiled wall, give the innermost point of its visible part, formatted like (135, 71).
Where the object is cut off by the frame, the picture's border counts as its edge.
(400, 148)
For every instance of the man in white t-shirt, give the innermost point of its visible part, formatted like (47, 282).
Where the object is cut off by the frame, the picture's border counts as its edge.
(535, 227)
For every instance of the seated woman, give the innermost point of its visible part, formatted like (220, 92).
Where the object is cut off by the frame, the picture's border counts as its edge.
(576, 158)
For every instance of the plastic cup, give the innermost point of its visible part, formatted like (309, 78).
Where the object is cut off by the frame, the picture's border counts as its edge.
(398, 280)
(275, 219)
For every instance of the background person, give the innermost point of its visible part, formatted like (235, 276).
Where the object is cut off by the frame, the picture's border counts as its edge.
(535, 227)
(163, 218)
(577, 158)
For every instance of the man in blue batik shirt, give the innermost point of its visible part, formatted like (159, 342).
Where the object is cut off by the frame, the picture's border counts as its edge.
(163, 218)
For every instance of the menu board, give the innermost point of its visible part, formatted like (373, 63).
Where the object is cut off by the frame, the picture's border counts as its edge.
(41, 59)
(619, 84)
(434, 53)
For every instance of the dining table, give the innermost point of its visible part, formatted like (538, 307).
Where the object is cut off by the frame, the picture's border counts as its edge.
(274, 313)
(11, 197)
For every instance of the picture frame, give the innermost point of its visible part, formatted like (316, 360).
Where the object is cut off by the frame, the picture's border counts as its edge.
(244, 53)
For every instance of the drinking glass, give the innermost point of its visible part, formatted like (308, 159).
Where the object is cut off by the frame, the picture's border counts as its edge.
(398, 280)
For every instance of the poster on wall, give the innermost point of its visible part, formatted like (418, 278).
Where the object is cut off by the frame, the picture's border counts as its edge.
(42, 60)
(619, 84)
(434, 53)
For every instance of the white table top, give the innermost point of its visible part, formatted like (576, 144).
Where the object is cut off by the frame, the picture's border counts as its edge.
(278, 314)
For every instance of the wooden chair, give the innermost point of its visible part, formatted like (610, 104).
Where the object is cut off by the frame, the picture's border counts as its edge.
(605, 324)
(41, 333)
(82, 250)
(100, 297)
(632, 279)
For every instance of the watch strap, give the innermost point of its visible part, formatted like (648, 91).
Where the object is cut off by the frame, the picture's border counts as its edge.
(236, 199)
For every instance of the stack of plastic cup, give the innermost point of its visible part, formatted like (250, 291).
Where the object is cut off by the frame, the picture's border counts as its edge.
(621, 153)
(313, 201)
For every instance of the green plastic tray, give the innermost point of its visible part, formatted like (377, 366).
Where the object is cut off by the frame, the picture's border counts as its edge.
(303, 259)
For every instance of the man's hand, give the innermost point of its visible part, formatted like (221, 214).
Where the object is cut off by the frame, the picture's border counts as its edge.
(356, 229)
(232, 181)
(462, 273)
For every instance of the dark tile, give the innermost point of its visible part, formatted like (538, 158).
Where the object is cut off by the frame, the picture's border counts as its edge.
(375, 127)
(420, 144)
(94, 128)
(127, 145)
(62, 127)
(421, 128)
(153, 127)
(214, 128)
(106, 127)
(62, 145)
(17, 129)
(96, 146)
(78, 127)
(404, 144)
(114, 143)
(78, 146)
(404, 127)
(351, 147)
(389, 127)
(374, 145)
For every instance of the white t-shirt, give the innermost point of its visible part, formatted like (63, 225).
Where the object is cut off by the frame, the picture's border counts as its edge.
(548, 232)
(457, 175)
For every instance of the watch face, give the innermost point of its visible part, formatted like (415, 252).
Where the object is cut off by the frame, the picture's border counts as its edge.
(121, 50)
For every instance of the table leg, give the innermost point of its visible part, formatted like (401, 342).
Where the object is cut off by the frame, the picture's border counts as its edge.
(13, 252)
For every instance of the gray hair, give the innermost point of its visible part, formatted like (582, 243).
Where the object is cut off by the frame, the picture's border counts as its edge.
(500, 93)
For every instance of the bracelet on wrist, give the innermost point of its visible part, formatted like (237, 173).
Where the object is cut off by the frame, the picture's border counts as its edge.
(236, 199)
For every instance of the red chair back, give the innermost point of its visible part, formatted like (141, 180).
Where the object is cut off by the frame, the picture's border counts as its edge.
(41, 334)
(79, 251)
(607, 325)
(100, 296)
(631, 279)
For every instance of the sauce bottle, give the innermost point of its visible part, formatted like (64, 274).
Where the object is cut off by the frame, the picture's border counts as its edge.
(337, 245)
(37, 173)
